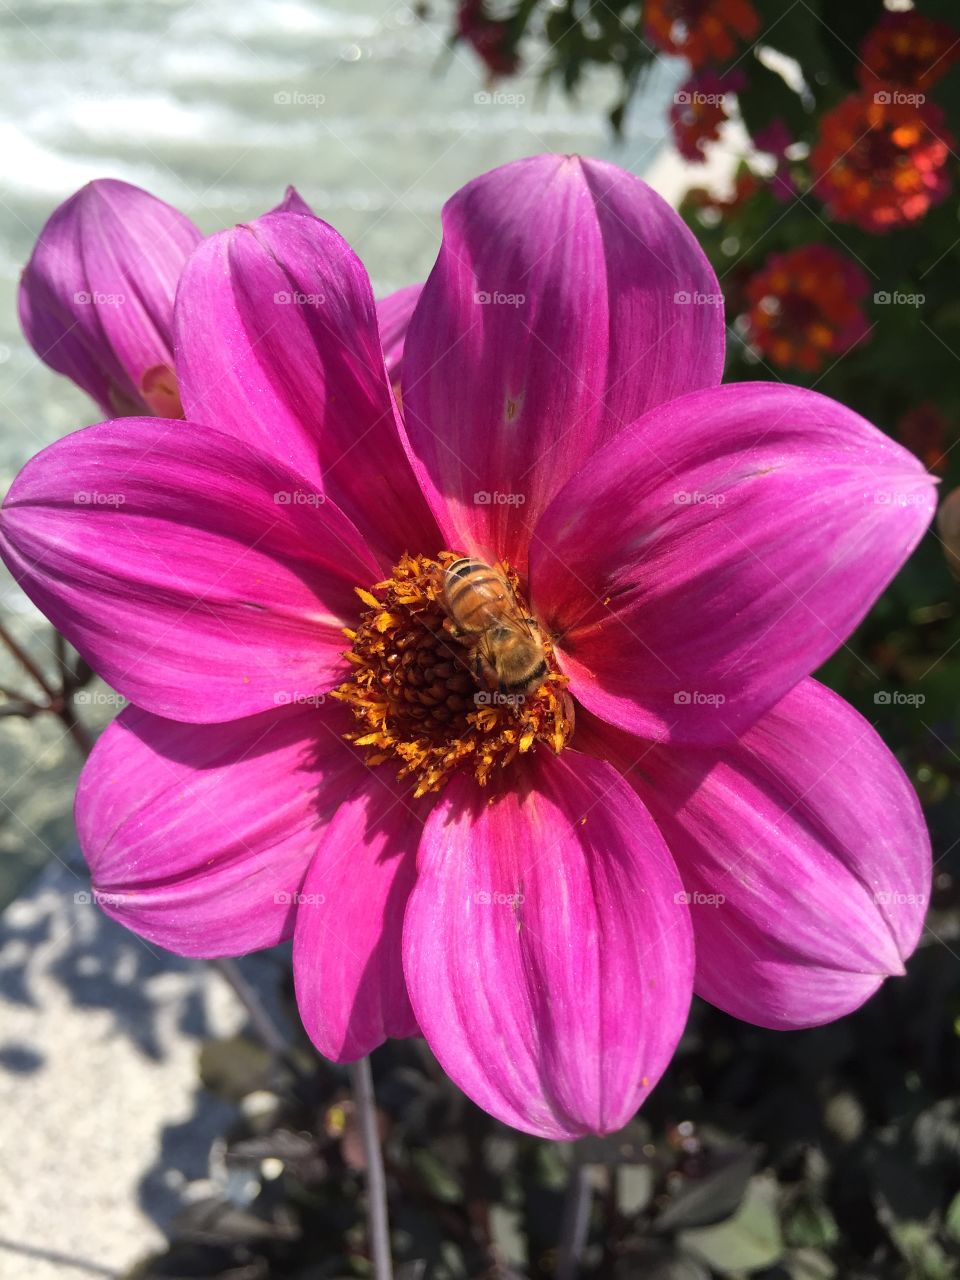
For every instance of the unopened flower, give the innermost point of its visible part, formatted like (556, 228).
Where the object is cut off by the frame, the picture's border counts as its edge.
(702, 31)
(806, 305)
(699, 108)
(907, 49)
(880, 162)
(534, 881)
(96, 298)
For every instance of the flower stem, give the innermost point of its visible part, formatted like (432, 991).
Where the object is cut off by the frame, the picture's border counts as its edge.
(28, 664)
(378, 1226)
(576, 1223)
(67, 715)
(263, 1023)
(59, 701)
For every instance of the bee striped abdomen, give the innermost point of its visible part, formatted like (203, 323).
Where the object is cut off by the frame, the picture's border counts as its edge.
(474, 593)
(505, 647)
(535, 675)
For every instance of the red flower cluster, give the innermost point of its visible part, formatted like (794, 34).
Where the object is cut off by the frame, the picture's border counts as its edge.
(490, 38)
(908, 49)
(699, 109)
(880, 162)
(746, 184)
(702, 31)
(924, 430)
(805, 305)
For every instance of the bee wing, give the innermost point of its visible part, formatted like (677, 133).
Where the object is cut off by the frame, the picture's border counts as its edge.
(522, 623)
(485, 649)
(514, 616)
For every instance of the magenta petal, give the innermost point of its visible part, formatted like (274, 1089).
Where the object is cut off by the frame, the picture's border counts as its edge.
(548, 961)
(347, 962)
(182, 566)
(804, 852)
(198, 836)
(549, 322)
(96, 298)
(393, 315)
(277, 344)
(293, 202)
(718, 551)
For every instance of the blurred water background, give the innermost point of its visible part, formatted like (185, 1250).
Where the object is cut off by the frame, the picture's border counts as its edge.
(216, 106)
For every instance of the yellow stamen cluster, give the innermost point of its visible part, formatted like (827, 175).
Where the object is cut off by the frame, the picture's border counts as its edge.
(415, 697)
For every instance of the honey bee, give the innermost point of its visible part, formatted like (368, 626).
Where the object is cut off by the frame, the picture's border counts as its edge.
(505, 648)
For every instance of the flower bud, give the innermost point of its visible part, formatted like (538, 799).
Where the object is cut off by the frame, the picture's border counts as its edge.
(96, 297)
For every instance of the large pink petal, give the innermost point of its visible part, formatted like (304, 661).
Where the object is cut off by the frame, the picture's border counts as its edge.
(548, 961)
(393, 311)
(803, 849)
(195, 574)
(549, 322)
(393, 316)
(347, 961)
(718, 551)
(198, 836)
(277, 344)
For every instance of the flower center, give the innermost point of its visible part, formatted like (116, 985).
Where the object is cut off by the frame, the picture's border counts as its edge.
(452, 676)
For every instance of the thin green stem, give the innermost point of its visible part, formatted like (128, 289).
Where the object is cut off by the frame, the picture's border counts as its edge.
(378, 1225)
(576, 1223)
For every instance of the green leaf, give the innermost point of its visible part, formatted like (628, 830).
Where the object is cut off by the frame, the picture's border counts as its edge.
(713, 1197)
(635, 1183)
(810, 1264)
(951, 1223)
(438, 1179)
(655, 1261)
(748, 1241)
(810, 1225)
(920, 1250)
(768, 97)
(234, 1067)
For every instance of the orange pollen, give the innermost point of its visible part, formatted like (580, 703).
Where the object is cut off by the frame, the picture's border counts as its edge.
(414, 695)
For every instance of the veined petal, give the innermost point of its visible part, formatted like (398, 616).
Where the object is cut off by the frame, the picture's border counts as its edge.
(277, 344)
(96, 298)
(347, 962)
(184, 566)
(718, 551)
(803, 851)
(393, 315)
(393, 311)
(547, 959)
(567, 299)
(198, 836)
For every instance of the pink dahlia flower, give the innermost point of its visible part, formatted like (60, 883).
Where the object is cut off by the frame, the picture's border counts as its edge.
(536, 892)
(96, 298)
